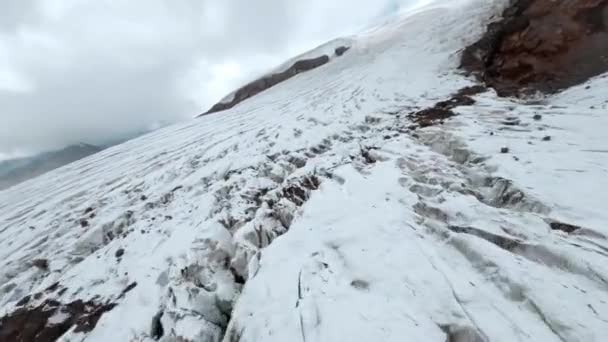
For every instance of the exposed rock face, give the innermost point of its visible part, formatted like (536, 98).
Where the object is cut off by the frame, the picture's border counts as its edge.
(266, 82)
(542, 45)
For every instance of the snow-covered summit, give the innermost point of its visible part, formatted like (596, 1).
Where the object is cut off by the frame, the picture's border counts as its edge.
(317, 211)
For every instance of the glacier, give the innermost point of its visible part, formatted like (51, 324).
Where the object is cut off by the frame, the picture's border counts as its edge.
(317, 211)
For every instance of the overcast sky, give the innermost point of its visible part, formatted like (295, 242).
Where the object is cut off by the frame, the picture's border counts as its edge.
(96, 70)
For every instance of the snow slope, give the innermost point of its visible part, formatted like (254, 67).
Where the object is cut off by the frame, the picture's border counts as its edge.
(346, 224)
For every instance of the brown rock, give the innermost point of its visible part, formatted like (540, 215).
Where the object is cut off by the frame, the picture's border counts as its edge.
(31, 324)
(266, 82)
(542, 45)
(443, 110)
(42, 264)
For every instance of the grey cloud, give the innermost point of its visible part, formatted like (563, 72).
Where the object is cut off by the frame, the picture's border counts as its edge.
(97, 70)
(16, 13)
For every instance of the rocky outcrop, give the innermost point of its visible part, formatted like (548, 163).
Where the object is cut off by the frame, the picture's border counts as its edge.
(542, 45)
(266, 82)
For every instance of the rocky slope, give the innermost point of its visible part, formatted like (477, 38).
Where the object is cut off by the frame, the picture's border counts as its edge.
(299, 65)
(383, 196)
(542, 45)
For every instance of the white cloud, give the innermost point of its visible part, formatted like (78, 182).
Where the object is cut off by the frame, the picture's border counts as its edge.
(79, 70)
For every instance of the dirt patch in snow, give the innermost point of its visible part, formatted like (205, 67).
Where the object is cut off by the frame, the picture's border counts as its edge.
(564, 227)
(50, 320)
(267, 82)
(443, 110)
(542, 45)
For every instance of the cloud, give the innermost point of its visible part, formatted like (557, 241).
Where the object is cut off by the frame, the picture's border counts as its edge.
(78, 70)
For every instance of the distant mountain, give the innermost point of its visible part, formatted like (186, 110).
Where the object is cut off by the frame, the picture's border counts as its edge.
(15, 171)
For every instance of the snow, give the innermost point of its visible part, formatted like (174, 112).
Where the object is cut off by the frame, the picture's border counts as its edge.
(409, 236)
(58, 318)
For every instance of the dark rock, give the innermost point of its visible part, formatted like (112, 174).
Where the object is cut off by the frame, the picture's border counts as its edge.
(30, 324)
(53, 287)
(542, 45)
(360, 284)
(472, 90)
(119, 253)
(127, 289)
(341, 50)
(537, 117)
(564, 227)
(88, 210)
(547, 138)
(511, 122)
(239, 279)
(443, 109)
(156, 330)
(24, 300)
(504, 150)
(431, 116)
(143, 197)
(267, 82)
(84, 223)
(456, 333)
(42, 264)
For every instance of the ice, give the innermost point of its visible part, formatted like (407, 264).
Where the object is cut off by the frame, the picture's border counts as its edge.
(313, 212)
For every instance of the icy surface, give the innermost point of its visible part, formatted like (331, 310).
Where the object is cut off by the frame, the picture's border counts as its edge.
(344, 224)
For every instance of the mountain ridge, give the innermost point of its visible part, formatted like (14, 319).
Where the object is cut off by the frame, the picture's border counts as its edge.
(15, 171)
